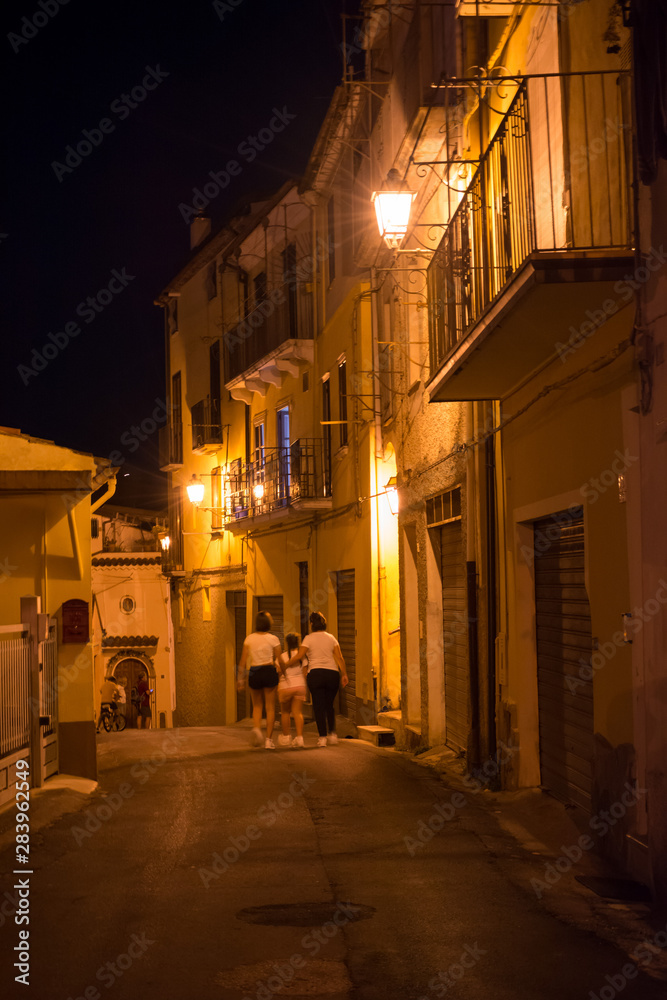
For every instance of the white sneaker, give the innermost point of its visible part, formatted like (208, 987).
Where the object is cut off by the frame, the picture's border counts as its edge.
(269, 744)
(322, 741)
(284, 740)
(332, 738)
(256, 737)
(297, 741)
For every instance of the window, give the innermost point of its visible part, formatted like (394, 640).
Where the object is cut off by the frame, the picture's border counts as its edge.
(289, 279)
(217, 500)
(342, 400)
(214, 430)
(331, 233)
(259, 286)
(386, 368)
(94, 527)
(172, 316)
(443, 507)
(259, 466)
(326, 435)
(211, 281)
(259, 445)
(283, 437)
(176, 420)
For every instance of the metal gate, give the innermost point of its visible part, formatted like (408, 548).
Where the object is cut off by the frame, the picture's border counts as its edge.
(564, 642)
(50, 701)
(347, 635)
(455, 635)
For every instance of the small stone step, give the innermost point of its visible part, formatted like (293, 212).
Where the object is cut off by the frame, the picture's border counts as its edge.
(378, 735)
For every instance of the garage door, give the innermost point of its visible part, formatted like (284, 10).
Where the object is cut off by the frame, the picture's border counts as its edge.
(347, 637)
(455, 635)
(564, 642)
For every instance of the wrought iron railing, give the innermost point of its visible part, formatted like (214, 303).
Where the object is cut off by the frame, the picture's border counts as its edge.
(556, 176)
(206, 423)
(278, 478)
(285, 314)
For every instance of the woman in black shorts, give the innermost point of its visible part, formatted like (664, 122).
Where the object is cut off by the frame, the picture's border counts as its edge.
(261, 650)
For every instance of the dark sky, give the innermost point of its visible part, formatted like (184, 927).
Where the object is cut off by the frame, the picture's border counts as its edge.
(218, 71)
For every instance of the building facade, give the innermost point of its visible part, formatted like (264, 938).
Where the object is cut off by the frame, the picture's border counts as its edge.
(47, 703)
(498, 363)
(270, 347)
(132, 625)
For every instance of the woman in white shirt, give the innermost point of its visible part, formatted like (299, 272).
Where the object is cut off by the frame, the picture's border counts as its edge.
(261, 650)
(326, 672)
(291, 692)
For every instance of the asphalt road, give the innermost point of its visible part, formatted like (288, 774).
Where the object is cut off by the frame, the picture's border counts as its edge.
(202, 868)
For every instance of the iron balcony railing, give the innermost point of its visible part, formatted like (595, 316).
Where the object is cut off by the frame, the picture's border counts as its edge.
(278, 478)
(285, 314)
(555, 177)
(206, 423)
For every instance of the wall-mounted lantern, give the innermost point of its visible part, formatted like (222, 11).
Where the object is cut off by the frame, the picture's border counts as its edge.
(195, 489)
(392, 209)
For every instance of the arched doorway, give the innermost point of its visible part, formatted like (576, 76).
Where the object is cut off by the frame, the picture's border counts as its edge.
(127, 672)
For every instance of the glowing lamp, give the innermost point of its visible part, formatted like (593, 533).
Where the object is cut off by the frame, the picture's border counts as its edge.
(165, 542)
(195, 490)
(392, 209)
(392, 495)
(258, 492)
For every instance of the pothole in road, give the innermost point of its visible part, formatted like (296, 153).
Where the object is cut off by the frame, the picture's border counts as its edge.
(317, 978)
(306, 914)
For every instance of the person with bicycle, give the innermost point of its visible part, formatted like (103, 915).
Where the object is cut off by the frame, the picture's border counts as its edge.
(110, 696)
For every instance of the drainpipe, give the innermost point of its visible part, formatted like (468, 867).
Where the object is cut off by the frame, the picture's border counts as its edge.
(377, 442)
(471, 592)
(491, 618)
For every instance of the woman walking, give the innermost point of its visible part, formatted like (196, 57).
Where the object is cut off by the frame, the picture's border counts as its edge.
(326, 672)
(261, 650)
(291, 692)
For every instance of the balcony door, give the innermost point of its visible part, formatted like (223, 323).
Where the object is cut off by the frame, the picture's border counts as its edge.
(283, 438)
(545, 109)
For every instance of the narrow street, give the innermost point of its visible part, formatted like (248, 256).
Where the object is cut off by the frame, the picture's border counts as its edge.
(203, 868)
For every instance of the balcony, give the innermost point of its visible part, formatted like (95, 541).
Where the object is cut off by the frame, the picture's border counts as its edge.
(206, 427)
(541, 235)
(281, 483)
(170, 446)
(272, 342)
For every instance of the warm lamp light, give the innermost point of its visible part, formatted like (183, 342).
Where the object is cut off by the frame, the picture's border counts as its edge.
(195, 490)
(258, 492)
(165, 542)
(392, 495)
(392, 209)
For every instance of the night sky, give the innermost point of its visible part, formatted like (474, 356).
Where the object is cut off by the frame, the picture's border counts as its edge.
(111, 223)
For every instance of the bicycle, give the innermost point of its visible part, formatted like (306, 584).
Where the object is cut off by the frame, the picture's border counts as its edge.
(112, 719)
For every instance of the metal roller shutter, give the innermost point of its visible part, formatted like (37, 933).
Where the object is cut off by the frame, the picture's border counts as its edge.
(273, 604)
(564, 643)
(455, 635)
(347, 634)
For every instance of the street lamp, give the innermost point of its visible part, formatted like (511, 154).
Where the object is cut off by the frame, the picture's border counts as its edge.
(392, 209)
(392, 495)
(165, 542)
(195, 490)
